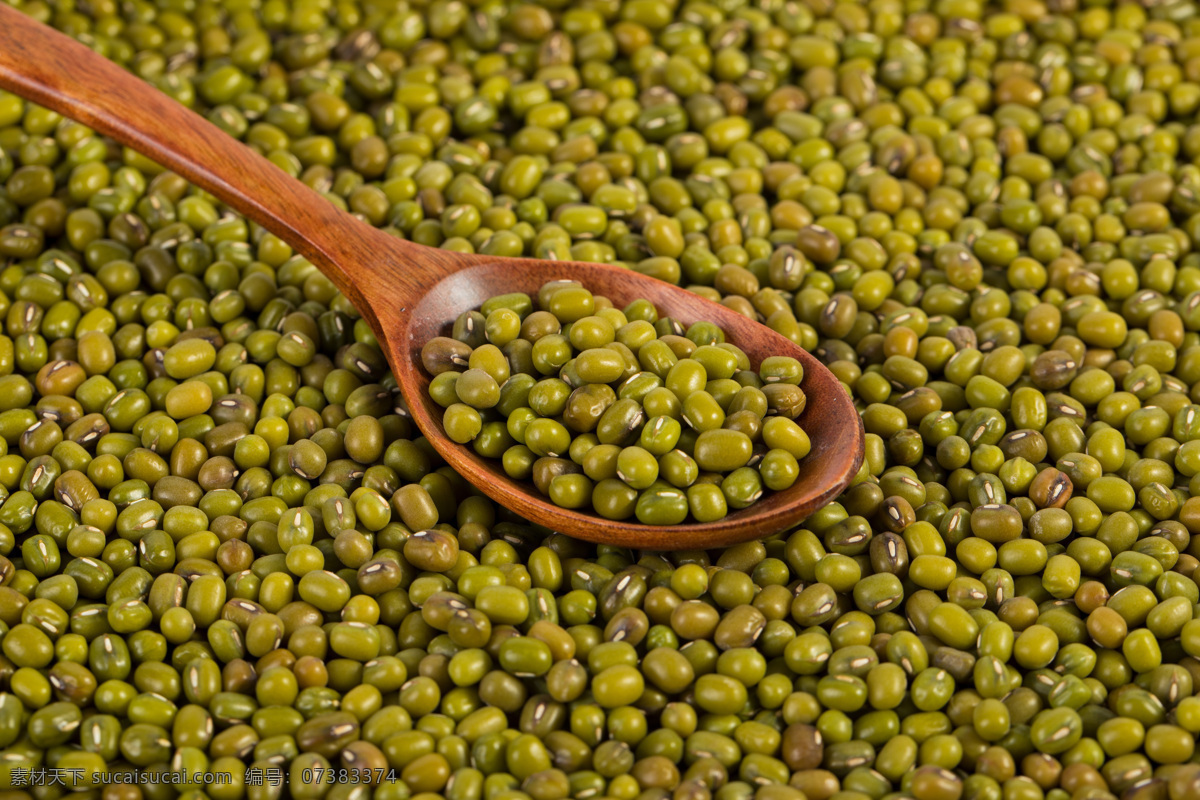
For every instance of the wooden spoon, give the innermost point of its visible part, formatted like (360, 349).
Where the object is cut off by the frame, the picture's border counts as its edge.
(409, 293)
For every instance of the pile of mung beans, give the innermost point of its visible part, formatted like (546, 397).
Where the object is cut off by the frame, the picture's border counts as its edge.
(635, 416)
(226, 551)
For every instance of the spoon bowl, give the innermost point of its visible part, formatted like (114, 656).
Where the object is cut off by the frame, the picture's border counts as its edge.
(409, 293)
(829, 416)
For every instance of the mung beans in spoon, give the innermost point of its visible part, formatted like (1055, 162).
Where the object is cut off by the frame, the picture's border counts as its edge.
(618, 411)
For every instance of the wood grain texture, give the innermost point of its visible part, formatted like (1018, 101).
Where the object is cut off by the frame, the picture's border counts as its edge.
(409, 293)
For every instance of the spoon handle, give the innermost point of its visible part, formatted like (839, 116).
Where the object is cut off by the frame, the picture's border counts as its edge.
(57, 72)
